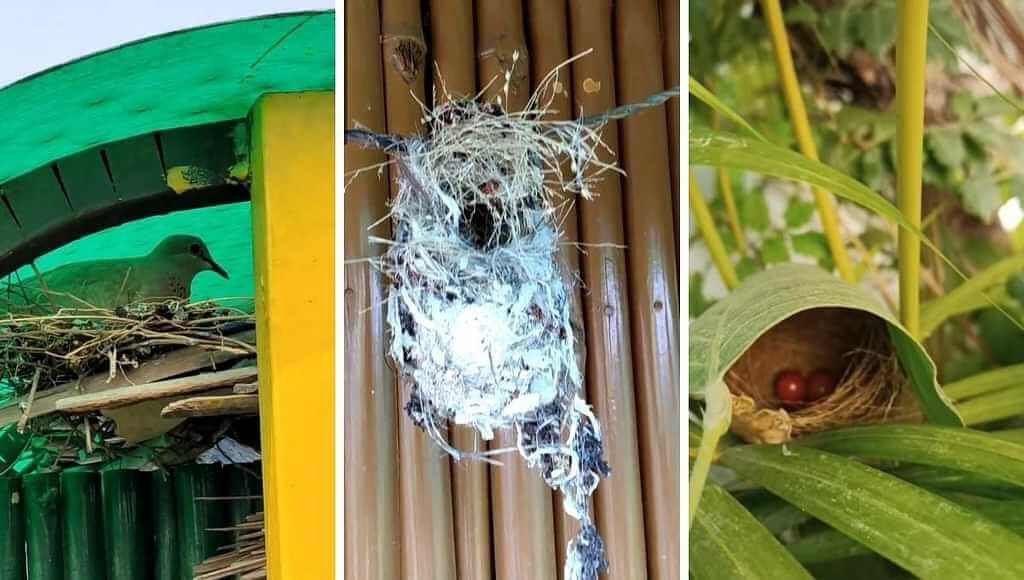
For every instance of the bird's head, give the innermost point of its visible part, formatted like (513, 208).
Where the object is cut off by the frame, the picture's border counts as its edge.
(190, 250)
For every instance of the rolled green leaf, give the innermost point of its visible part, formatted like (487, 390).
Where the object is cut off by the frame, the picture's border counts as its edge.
(165, 522)
(127, 535)
(727, 543)
(12, 530)
(923, 533)
(953, 448)
(82, 518)
(42, 526)
(726, 330)
(196, 515)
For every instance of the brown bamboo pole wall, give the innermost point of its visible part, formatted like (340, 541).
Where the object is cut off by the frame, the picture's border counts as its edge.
(372, 547)
(415, 521)
(653, 285)
(620, 515)
(454, 52)
(428, 547)
(520, 501)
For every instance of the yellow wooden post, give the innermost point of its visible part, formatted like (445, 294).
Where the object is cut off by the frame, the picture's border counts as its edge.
(293, 231)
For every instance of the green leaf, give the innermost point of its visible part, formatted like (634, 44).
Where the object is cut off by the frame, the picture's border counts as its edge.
(698, 90)
(981, 194)
(813, 245)
(727, 543)
(727, 329)
(993, 407)
(947, 145)
(698, 303)
(773, 250)
(715, 424)
(1015, 288)
(923, 533)
(825, 546)
(986, 382)
(969, 295)
(754, 213)
(746, 267)
(798, 213)
(953, 448)
(876, 27)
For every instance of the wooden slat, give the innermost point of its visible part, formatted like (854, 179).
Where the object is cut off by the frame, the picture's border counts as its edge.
(520, 500)
(653, 281)
(428, 547)
(372, 533)
(209, 147)
(135, 166)
(548, 35)
(37, 200)
(87, 182)
(609, 358)
(10, 232)
(453, 49)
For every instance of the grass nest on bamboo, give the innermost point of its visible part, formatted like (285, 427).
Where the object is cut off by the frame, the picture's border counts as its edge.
(479, 305)
(54, 349)
(852, 346)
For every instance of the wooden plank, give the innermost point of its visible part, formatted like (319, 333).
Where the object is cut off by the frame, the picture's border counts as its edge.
(653, 278)
(618, 498)
(210, 148)
(213, 406)
(135, 166)
(122, 396)
(37, 200)
(174, 363)
(293, 200)
(86, 181)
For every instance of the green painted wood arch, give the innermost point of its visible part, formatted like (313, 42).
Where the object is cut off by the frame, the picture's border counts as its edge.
(192, 77)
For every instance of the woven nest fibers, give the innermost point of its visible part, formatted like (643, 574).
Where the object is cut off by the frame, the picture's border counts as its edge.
(850, 348)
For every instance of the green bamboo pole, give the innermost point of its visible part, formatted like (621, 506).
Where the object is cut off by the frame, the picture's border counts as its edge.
(42, 526)
(125, 528)
(804, 137)
(12, 530)
(706, 225)
(165, 521)
(196, 515)
(82, 519)
(911, 43)
(243, 483)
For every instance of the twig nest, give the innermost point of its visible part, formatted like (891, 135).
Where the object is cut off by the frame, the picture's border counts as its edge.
(479, 308)
(850, 347)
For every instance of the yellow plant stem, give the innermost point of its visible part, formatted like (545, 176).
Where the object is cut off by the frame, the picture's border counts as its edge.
(804, 137)
(725, 189)
(706, 225)
(911, 42)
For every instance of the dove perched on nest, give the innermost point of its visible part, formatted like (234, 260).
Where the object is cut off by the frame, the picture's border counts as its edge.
(165, 273)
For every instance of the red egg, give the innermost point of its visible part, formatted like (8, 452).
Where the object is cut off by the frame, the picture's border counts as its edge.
(820, 384)
(790, 387)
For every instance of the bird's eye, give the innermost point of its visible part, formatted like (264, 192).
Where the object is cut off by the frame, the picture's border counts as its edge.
(195, 250)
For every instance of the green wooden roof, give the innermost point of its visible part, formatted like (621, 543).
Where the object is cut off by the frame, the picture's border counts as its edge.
(193, 77)
(89, 144)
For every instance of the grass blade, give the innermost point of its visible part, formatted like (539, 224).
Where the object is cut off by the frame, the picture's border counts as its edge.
(986, 382)
(925, 534)
(708, 98)
(727, 543)
(953, 448)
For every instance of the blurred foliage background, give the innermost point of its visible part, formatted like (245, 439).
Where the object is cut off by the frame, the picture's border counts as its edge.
(974, 159)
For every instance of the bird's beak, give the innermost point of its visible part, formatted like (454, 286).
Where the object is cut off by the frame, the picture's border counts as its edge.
(217, 268)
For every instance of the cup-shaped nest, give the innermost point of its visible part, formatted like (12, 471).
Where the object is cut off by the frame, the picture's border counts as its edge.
(851, 346)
